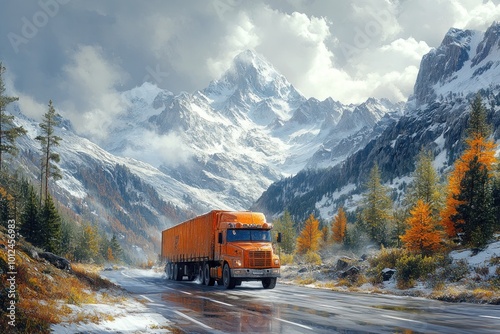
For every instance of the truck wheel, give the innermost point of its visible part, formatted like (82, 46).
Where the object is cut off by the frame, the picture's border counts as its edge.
(168, 270)
(207, 280)
(269, 282)
(177, 274)
(201, 276)
(229, 282)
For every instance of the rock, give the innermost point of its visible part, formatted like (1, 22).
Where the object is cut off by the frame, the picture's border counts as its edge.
(351, 273)
(302, 270)
(387, 274)
(55, 260)
(343, 263)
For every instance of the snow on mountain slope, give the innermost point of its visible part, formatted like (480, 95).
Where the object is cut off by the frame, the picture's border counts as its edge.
(434, 118)
(465, 62)
(231, 140)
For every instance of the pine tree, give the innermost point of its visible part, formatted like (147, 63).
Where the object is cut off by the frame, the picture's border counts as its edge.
(6, 206)
(423, 235)
(51, 227)
(88, 245)
(48, 141)
(286, 227)
(377, 206)
(8, 131)
(309, 237)
(339, 226)
(116, 249)
(425, 185)
(475, 215)
(31, 224)
(480, 155)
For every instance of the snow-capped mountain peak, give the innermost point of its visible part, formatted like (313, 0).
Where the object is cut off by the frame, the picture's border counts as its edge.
(465, 62)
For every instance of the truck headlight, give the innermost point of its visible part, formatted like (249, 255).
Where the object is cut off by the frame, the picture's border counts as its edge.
(237, 263)
(277, 262)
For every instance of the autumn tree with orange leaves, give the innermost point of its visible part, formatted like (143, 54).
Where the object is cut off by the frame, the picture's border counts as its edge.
(310, 236)
(423, 235)
(339, 226)
(469, 184)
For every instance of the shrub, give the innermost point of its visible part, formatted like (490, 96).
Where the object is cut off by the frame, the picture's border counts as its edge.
(411, 267)
(455, 271)
(286, 258)
(312, 258)
(387, 258)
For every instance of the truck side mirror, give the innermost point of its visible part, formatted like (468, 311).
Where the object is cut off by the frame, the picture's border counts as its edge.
(278, 239)
(220, 237)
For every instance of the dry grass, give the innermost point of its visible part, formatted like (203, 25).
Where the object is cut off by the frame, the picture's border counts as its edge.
(461, 294)
(305, 280)
(44, 292)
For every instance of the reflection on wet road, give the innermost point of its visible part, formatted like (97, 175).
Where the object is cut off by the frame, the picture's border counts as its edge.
(195, 308)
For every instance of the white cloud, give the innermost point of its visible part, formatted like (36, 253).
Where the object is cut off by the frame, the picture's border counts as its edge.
(349, 50)
(93, 99)
(169, 149)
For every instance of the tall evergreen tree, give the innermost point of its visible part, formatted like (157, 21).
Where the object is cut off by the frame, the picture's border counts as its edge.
(51, 224)
(286, 227)
(6, 206)
(475, 214)
(8, 131)
(377, 207)
(425, 185)
(31, 225)
(48, 141)
(116, 249)
(472, 172)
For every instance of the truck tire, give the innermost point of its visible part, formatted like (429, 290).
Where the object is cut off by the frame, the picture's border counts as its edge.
(229, 282)
(201, 274)
(177, 274)
(168, 270)
(207, 280)
(269, 282)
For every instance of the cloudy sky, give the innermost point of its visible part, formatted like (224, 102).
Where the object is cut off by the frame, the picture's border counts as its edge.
(83, 53)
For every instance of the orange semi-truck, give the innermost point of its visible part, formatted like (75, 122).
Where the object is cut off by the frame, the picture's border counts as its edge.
(226, 247)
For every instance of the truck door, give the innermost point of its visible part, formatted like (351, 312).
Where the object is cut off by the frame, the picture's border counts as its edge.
(220, 242)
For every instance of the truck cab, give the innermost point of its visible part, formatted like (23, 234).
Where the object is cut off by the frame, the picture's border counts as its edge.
(244, 250)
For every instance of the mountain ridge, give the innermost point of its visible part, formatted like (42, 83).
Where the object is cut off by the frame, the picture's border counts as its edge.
(435, 118)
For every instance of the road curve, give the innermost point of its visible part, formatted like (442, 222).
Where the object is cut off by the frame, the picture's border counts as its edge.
(194, 308)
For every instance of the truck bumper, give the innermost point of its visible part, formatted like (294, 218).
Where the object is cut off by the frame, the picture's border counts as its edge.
(247, 273)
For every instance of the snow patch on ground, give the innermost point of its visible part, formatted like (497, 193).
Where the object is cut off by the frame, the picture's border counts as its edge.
(127, 316)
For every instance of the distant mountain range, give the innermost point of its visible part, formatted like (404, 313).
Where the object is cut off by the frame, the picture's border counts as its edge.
(250, 139)
(435, 118)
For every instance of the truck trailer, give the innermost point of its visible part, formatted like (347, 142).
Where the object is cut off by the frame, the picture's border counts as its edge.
(226, 247)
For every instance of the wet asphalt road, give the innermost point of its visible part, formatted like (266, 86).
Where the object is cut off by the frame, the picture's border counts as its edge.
(194, 308)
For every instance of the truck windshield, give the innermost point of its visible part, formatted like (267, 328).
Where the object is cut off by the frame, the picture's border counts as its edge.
(248, 235)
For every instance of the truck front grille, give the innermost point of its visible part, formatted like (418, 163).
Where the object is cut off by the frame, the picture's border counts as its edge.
(260, 259)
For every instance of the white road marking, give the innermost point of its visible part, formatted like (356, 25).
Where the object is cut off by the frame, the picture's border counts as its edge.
(218, 302)
(158, 305)
(402, 319)
(193, 320)
(489, 316)
(123, 273)
(294, 323)
(148, 299)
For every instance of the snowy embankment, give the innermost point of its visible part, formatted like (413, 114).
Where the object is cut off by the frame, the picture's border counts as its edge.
(469, 277)
(115, 311)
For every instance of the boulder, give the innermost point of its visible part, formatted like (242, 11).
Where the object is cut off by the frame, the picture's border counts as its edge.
(55, 260)
(387, 274)
(343, 263)
(350, 273)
